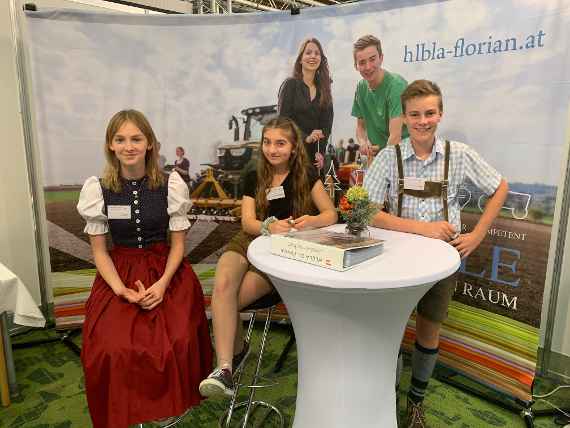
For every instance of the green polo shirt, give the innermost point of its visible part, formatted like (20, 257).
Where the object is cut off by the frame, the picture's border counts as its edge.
(378, 106)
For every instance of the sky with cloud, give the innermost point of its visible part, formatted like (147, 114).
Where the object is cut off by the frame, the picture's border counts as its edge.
(189, 74)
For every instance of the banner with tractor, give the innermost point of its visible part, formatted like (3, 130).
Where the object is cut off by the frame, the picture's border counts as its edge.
(209, 83)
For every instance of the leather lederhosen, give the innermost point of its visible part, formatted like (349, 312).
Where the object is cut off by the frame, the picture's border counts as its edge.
(432, 189)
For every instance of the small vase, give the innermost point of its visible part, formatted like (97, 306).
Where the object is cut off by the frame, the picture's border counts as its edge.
(357, 229)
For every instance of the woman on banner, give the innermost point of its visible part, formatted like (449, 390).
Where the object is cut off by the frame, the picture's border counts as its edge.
(306, 98)
(283, 193)
(146, 343)
(182, 164)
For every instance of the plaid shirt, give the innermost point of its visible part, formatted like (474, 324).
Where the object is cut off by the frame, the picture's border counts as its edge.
(464, 163)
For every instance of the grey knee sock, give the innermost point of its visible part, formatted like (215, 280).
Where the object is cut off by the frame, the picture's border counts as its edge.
(423, 364)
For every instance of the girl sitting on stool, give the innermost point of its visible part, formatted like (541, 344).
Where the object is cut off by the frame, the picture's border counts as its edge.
(285, 192)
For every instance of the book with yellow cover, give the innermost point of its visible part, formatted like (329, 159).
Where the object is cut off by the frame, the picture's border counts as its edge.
(320, 247)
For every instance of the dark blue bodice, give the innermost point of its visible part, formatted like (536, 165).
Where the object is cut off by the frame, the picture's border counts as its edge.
(149, 216)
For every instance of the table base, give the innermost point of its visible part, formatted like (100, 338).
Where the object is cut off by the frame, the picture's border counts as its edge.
(347, 345)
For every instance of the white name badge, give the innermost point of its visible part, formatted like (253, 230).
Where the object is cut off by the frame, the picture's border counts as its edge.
(414, 183)
(276, 193)
(119, 212)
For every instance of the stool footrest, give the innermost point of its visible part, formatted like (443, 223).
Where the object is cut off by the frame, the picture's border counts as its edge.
(267, 383)
(254, 405)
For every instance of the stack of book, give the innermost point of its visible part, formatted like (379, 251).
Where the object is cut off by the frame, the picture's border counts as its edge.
(331, 250)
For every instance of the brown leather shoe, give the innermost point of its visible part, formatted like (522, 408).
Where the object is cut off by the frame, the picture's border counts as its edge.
(415, 415)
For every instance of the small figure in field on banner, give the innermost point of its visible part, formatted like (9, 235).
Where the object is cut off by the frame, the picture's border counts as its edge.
(439, 167)
(340, 150)
(146, 343)
(182, 164)
(284, 192)
(306, 98)
(351, 151)
(376, 103)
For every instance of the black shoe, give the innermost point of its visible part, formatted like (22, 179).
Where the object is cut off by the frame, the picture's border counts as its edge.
(239, 359)
(219, 382)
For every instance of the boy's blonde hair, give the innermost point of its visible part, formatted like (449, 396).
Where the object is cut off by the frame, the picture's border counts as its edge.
(421, 88)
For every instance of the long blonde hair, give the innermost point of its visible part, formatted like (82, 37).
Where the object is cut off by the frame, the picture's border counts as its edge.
(298, 169)
(112, 174)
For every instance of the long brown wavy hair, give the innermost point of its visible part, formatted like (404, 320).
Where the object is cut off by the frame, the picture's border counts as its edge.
(298, 169)
(112, 174)
(322, 76)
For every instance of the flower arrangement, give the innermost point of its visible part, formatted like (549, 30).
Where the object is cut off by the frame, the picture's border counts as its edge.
(356, 209)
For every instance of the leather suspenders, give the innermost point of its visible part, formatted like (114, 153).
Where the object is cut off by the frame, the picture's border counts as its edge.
(432, 189)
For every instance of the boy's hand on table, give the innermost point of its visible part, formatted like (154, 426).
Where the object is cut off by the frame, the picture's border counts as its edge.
(439, 230)
(466, 243)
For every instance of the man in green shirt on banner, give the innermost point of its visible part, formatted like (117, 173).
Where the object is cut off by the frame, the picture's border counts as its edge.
(376, 105)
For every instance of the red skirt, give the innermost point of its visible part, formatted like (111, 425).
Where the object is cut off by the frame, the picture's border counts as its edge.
(144, 365)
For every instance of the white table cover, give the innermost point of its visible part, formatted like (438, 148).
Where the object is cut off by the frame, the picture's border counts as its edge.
(15, 297)
(349, 325)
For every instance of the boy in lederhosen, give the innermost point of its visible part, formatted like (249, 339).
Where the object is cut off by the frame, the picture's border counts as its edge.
(421, 177)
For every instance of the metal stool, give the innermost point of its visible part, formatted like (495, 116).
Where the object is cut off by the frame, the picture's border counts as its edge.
(267, 302)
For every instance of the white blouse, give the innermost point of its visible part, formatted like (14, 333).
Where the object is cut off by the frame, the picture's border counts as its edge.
(91, 205)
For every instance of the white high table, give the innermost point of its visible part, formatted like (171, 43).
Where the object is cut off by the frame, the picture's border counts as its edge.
(349, 325)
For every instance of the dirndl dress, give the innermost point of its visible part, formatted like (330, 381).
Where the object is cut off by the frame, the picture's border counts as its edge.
(142, 365)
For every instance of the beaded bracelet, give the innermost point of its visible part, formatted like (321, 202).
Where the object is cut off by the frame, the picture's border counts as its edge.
(265, 225)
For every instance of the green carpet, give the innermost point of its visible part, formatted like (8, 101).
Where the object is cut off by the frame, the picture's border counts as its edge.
(52, 393)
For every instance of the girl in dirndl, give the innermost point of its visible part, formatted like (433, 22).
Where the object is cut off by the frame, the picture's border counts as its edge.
(146, 343)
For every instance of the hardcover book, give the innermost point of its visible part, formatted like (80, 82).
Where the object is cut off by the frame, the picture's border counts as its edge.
(331, 250)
